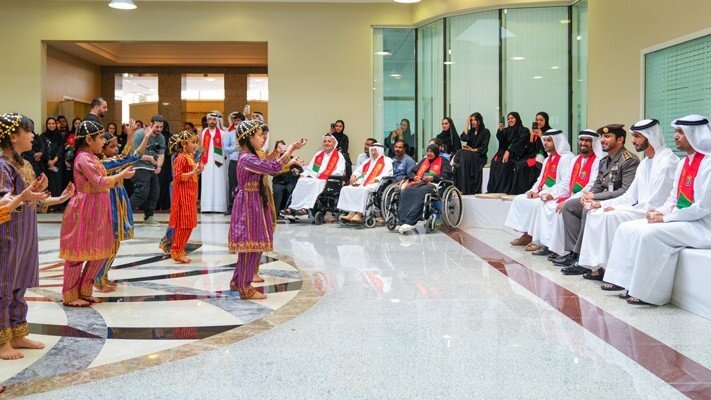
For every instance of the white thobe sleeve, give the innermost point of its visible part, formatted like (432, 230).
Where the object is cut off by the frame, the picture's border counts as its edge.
(388, 170)
(699, 209)
(663, 183)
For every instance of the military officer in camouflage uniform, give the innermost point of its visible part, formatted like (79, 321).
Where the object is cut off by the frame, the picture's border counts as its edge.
(616, 173)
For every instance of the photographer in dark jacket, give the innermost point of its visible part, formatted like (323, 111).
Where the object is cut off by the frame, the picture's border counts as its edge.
(146, 188)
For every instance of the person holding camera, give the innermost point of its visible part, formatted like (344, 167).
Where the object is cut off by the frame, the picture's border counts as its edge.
(146, 188)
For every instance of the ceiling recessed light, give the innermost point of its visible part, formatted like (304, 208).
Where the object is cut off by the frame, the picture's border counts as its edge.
(209, 79)
(518, 58)
(396, 76)
(555, 67)
(448, 62)
(537, 77)
(166, 104)
(122, 4)
(407, 1)
(383, 53)
(564, 21)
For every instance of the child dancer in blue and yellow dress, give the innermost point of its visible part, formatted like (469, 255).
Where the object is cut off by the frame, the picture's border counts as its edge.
(122, 217)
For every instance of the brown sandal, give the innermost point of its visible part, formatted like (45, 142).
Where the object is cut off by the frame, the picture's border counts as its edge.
(610, 287)
(637, 302)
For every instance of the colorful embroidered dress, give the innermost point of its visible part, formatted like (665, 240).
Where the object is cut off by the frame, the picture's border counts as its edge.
(121, 215)
(87, 233)
(19, 262)
(252, 224)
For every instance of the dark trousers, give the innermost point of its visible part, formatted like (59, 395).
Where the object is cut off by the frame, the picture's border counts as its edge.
(146, 191)
(232, 177)
(281, 194)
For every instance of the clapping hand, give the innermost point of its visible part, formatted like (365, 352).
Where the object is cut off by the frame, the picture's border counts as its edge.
(128, 173)
(40, 184)
(68, 192)
(299, 144)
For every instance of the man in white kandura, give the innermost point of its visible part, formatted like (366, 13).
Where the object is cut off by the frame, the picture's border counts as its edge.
(365, 180)
(650, 188)
(645, 251)
(547, 228)
(326, 163)
(525, 206)
(214, 182)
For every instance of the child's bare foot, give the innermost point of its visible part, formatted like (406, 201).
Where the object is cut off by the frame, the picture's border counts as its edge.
(92, 299)
(77, 303)
(104, 288)
(257, 279)
(181, 258)
(112, 284)
(8, 353)
(26, 343)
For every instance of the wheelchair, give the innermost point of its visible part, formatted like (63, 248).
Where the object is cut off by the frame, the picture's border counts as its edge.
(328, 199)
(374, 204)
(444, 203)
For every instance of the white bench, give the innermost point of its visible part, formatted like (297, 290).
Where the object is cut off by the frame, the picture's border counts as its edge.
(693, 273)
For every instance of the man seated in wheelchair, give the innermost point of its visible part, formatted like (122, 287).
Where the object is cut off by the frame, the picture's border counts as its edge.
(421, 181)
(326, 163)
(364, 181)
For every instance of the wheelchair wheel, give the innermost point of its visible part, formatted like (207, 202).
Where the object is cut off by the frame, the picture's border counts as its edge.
(452, 207)
(340, 221)
(386, 200)
(391, 222)
(369, 221)
(431, 223)
(318, 217)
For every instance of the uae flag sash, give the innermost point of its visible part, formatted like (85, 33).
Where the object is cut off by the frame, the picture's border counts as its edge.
(429, 168)
(685, 187)
(332, 163)
(377, 169)
(579, 177)
(549, 173)
(217, 146)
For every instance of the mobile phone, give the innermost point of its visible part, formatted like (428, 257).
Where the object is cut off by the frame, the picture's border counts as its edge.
(333, 126)
(534, 125)
(502, 119)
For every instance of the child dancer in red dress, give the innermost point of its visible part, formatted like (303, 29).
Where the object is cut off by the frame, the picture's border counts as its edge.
(183, 208)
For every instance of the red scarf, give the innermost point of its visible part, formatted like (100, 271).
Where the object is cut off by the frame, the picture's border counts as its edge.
(549, 173)
(332, 163)
(434, 168)
(217, 147)
(579, 179)
(685, 187)
(379, 165)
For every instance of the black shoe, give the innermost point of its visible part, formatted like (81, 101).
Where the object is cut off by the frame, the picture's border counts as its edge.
(543, 251)
(566, 260)
(598, 277)
(575, 269)
(552, 256)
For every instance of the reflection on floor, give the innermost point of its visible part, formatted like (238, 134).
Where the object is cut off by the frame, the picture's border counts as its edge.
(417, 316)
(158, 305)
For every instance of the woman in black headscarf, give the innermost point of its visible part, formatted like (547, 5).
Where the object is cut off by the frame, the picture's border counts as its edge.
(166, 174)
(55, 156)
(37, 156)
(512, 141)
(342, 138)
(449, 136)
(403, 132)
(470, 160)
(421, 179)
(529, 164)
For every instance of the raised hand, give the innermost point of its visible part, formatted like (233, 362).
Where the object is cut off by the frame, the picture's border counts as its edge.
(68, 192)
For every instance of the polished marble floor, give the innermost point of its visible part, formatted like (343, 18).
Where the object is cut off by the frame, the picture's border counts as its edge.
(443, 315)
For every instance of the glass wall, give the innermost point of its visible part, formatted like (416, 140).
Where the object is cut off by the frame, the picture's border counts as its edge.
(473, 69)
(138, 96)
(535, 64)
(580, 67)
(393, 80)
(430, 82)
(524, 59)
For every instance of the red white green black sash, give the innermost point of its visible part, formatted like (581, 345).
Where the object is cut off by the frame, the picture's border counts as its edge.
(549, 173)
(217, 146)
(580, 176)
(330, 167)
(685, 187)
(379, 165)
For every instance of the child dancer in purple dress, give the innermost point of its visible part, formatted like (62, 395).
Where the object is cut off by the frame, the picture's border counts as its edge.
(253, 215)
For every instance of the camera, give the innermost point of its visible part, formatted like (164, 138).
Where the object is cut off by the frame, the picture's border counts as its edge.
(155, 149)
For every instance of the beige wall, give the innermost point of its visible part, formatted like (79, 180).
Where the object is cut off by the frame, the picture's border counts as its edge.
(319, 54)
(428, 10)
(71, 77)
(618, 32)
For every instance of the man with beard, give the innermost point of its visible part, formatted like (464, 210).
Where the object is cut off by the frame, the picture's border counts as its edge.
(99, 108)
(214, 180)
(402, 163)
(524, 207)
(615, 176)
(649, 190)
(546, 228)
(365, 155)
(645, 251)
(146, 188)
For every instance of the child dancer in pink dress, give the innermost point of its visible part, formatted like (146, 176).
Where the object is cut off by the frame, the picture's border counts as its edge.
(87, 235)
(253, 215)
